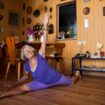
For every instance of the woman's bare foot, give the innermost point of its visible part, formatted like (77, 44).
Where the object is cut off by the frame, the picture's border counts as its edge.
(77, 76)
(77, 73)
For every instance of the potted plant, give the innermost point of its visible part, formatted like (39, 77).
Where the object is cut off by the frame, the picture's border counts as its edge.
(33, 34)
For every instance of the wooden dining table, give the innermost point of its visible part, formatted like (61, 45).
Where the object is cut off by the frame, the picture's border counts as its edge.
(57, 54)
(36, 45)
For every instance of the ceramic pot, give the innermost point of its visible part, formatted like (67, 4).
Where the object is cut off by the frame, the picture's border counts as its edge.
(31, 38)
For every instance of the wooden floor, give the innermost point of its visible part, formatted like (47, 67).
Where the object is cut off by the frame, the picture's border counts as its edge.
(88, 91)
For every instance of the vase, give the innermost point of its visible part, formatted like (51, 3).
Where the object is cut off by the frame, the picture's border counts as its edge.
(31, 38)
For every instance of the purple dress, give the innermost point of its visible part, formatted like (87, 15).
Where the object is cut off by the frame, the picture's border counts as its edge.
(45, 76)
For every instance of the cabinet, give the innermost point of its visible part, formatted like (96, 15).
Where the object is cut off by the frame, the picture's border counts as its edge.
(80, 67)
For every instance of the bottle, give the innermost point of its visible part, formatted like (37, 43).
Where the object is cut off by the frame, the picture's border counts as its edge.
(87, 54)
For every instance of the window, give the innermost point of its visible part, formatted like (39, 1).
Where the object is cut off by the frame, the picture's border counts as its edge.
(67, 25)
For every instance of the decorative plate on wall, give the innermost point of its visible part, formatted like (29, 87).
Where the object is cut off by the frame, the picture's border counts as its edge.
(36, 13)
(86, 10)
(1, 17)
(46, 8)
(50, 9)
(45, 0)
(28, 20)
(24, 6)
(22, 32)
(1, 5)
(103, 11)
(29, 10)
(23, 21)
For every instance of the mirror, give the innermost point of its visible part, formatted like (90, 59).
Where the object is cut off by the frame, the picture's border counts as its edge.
(67, 25)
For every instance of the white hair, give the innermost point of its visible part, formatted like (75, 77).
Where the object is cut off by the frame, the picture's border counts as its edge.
(23, 57)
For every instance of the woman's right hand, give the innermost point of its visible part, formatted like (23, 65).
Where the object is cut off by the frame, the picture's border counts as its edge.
(46, 20)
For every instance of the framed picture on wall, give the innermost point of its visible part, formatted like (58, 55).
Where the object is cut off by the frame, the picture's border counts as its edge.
(13, 18)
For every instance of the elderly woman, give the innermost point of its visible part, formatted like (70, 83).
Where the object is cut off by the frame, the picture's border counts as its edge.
(44, 76)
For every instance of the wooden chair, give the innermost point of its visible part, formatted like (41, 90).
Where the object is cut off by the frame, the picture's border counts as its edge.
(2, 59)
(57, 58)
(12, 59)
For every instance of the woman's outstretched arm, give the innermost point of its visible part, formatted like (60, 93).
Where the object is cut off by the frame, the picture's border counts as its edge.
(45, 30)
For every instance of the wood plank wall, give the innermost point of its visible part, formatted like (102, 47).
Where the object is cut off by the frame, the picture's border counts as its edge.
(13, 6)
(95, 32)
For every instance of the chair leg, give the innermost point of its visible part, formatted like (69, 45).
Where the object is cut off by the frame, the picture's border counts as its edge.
(62, 65)
(54, 63)
(8, 66)
(18, 71)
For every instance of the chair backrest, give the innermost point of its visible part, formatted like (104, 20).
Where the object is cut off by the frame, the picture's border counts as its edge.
(59, 48)
(11, 49)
